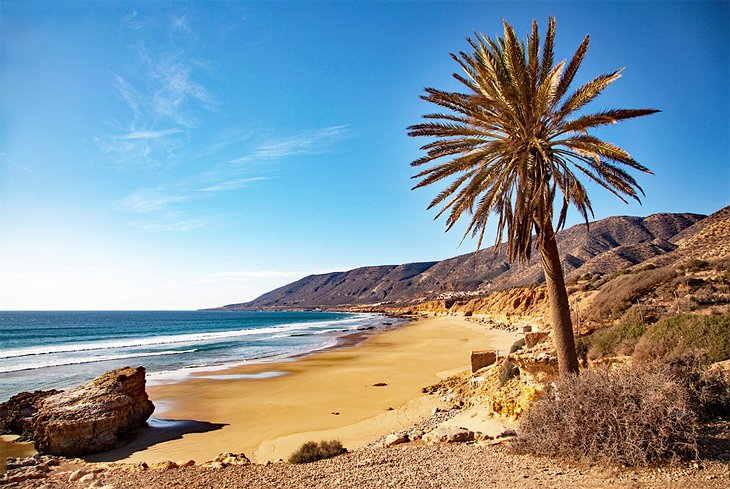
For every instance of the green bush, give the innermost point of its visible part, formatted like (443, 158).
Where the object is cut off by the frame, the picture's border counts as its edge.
(312, 451)
(615, 340)
(629, 416)
(673, 336)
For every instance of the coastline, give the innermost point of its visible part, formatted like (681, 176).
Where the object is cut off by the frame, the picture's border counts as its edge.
(267, 410)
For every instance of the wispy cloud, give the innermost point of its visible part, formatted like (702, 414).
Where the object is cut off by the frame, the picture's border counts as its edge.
(308, 142)
(135, 21)
(149, 200)
(180, 22)
(175, 91)
(148, 134)
(231, 184)
(162, 86)
(175, 226)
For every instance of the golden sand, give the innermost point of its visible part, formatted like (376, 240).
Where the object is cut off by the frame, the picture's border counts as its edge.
(327, 395)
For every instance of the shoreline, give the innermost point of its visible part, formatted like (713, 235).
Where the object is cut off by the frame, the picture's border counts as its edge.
(267, 410)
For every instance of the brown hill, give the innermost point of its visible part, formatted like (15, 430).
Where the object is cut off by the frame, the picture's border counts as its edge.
(603, 247)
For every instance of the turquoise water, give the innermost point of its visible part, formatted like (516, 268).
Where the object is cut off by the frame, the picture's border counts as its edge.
(45, 350)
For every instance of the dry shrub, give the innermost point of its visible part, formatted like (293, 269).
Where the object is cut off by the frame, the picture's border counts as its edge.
(628, 416)
(312, 451)
(709, 389)
(617, 295)
(673, 336)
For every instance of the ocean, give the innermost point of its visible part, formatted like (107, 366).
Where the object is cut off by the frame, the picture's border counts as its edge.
(58, 350)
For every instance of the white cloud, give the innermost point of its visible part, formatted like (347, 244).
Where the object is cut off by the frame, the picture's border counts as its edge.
(148, 134)
(309, 142)
(149, 200)
(181, 225)
(231, 184)
(180, 22)
(174, 90)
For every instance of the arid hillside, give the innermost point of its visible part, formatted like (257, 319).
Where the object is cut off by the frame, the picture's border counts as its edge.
(598, 250)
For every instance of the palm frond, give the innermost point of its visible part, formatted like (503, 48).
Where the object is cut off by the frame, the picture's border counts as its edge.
(507, 146)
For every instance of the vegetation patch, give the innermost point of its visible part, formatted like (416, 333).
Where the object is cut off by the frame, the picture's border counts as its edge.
(673, 336)
(615, 340)
(313, 451)
(617, 295)
(631, 416)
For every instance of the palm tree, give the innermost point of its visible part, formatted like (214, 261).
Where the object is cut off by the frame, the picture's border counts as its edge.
(512, 143)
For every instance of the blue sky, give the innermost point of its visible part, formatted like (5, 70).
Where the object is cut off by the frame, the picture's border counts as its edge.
(173, 155)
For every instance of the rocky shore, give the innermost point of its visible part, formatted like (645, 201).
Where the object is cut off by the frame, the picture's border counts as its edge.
(88, 419)
(418, 464)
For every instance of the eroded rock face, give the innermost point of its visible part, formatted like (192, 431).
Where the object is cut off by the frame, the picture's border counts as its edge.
(87, 419)
(537, 365)
(16, 413)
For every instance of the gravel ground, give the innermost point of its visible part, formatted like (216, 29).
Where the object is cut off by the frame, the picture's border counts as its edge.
(409, 465)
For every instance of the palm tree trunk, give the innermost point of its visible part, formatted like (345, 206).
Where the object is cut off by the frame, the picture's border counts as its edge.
(559, 307)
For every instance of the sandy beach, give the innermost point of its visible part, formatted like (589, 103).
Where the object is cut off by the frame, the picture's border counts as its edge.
(267, 410)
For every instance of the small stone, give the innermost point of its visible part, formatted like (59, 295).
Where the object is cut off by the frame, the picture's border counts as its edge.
(185, 463)
(416, 435)
(395, 439)
(448, 434)
(479, 436)
(506, 432)
(87, 478)
(76, 475)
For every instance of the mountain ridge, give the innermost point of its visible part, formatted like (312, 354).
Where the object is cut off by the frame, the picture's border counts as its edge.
(603, 247)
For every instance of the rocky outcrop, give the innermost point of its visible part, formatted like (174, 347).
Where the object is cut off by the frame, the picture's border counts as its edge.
(87, 419)
(16, 412)
(537, 365)
(448, 434)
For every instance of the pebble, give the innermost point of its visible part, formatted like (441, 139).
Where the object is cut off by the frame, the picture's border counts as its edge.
(76, 475)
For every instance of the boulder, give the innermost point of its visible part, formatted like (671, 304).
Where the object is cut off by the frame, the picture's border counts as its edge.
(395, 439)
(482, 358)
(87, 419)
(16, 413)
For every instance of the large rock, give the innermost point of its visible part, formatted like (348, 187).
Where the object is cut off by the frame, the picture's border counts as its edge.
(482, 358)
(87, 419)
(16, 413)
(537, 365)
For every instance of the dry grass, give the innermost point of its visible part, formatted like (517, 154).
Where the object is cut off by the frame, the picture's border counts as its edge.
(630, 416)
(313, 451)
(617, 295)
